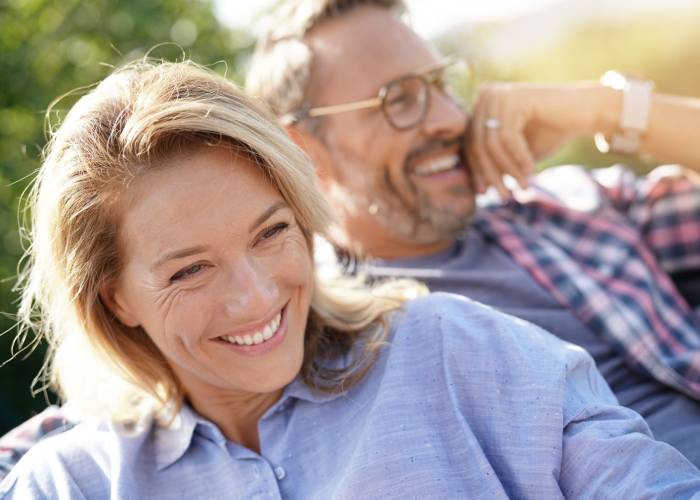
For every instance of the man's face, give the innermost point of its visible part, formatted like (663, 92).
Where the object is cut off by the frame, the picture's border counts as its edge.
(397, 193)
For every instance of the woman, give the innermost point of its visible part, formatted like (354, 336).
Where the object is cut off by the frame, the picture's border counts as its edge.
(171, 266)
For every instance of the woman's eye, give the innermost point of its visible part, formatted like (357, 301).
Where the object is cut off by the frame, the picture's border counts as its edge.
(273, 231)
(187, 272)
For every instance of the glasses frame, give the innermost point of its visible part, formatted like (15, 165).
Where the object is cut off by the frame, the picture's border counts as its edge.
(429, 75)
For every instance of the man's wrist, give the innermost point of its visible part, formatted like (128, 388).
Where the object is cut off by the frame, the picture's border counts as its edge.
(597, 108)
(608, 109)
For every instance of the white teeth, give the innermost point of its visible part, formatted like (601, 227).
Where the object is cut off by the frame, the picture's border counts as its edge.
(267, 332)
(258, 337)
(438, 165)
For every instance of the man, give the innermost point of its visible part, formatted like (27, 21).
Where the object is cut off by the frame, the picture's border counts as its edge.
(586, 258)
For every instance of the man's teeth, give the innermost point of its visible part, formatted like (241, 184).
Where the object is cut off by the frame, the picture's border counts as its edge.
(437, 165)
(265, 333)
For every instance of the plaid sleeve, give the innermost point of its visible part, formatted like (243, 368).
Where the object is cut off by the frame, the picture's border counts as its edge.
(17, 442)
(665, 206)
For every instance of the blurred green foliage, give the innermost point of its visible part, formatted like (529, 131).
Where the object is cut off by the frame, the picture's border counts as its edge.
(664, 47)
(48, 48)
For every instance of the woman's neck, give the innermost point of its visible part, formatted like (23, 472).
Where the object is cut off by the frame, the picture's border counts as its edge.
(236, 415)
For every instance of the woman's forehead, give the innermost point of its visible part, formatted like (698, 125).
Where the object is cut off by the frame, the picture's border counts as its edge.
(209, 190)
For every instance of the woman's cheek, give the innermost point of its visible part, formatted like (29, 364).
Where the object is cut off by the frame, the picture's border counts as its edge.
(292, 260)
(183, 319)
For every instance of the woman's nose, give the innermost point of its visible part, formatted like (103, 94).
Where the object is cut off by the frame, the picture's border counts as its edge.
(249, 289)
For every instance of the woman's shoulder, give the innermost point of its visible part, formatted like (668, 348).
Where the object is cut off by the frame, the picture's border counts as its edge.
(77, 461)
(458, 329)
(450, 313)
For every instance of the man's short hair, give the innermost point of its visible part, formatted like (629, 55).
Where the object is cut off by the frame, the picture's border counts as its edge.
(281, 67)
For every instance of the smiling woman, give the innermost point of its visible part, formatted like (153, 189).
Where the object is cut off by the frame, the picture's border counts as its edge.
(172, 247)
(171, 268)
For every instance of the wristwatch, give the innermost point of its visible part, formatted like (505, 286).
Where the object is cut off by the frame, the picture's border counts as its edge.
(634, 117)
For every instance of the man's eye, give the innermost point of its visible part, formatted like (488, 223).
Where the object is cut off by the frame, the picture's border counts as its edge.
(397, 99)
(273, 231)
(187, 272)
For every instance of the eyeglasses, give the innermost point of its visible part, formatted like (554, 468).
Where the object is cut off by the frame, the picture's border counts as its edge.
(404, 101)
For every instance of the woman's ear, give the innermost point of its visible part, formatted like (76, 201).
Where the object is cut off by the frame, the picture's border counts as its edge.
(318, 152)
(114, 301)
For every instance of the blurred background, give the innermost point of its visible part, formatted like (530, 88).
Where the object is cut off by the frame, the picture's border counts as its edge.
(50, 48)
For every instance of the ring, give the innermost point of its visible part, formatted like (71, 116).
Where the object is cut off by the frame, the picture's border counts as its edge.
(492, 123)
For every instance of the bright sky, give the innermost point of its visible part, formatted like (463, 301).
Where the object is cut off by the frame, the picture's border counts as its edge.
(428, 17)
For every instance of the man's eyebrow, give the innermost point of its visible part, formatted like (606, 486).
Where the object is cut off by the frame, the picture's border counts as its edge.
(443, 61)
(267, 214)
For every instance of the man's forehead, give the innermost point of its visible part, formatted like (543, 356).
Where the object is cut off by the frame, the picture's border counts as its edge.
(370, 44)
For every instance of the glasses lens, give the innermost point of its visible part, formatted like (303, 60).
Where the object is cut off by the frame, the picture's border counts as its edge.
(405, 101)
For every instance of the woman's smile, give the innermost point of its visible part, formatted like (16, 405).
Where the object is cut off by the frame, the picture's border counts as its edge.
(257, 341)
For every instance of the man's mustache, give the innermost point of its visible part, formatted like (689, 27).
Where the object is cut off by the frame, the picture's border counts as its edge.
(431, 146)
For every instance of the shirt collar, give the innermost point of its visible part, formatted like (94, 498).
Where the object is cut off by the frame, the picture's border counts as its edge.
(299, 390)
(173, 440)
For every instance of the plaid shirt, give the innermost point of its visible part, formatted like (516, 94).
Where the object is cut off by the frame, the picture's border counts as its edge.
(603, 244)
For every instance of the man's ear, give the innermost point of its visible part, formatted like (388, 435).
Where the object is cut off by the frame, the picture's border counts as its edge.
(318, 152)
(113, 300)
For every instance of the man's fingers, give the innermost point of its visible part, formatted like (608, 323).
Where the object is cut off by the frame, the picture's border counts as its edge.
(520, 164)
(490, 172)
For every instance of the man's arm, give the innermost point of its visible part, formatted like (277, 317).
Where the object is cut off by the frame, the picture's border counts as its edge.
(537, 119)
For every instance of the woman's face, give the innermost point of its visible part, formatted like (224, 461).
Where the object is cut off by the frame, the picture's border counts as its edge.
(217, 272)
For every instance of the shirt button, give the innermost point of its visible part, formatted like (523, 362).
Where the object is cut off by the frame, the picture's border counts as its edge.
(280, 473)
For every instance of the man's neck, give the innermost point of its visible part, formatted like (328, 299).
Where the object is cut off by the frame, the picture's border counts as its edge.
(391, 250)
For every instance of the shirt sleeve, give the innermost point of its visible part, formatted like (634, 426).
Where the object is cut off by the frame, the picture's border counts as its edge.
(608, 450)
(19, 440)
(665, 206)
(41, 475)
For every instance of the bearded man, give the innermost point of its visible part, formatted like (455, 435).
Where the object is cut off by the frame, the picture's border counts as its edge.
(590, 257)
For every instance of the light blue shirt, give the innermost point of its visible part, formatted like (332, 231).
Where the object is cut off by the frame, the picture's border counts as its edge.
(463, 403)
(477, 267)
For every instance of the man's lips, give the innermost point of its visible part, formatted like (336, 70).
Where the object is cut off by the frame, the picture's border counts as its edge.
(437, 164)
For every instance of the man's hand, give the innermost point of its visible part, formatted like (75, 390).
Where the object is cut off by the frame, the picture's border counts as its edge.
(514, 125)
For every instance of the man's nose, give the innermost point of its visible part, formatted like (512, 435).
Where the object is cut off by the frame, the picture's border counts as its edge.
(249, 290)
(446, 117)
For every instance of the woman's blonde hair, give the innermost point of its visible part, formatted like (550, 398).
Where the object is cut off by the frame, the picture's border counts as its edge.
(132, 121)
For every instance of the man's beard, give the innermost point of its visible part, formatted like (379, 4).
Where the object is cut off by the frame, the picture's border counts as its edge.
(432, 224)
(421, 221)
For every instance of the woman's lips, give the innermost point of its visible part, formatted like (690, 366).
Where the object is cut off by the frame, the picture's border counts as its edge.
(260, 341)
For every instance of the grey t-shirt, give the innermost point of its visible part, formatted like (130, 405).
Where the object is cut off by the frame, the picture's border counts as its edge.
(484, 272)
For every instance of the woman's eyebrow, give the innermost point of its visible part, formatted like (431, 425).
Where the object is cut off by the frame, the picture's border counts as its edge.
(178, 254)
(267, 214)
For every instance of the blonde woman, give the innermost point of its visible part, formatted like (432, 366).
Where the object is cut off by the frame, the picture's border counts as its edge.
(171, 271)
